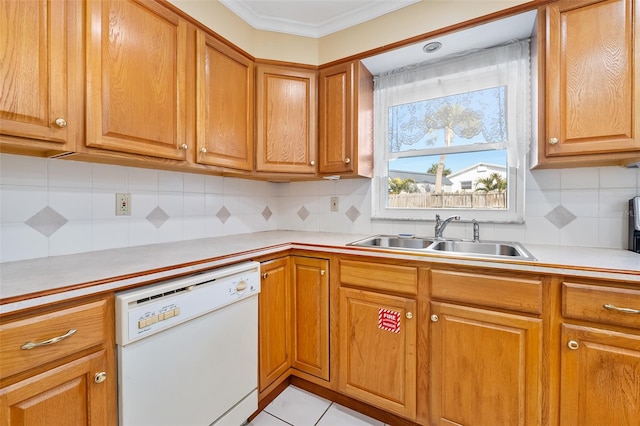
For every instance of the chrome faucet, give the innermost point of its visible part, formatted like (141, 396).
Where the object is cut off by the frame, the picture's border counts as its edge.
(441, 224)
(476, 231)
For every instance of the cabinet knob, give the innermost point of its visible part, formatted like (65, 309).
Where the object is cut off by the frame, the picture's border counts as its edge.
(203, 150)
(553, 141)
(409, 315)
(434, 318)
(312, 162)
(573, 345)
(322, 272)
(184, 146)
(61, 122)
(100, 377)
(347, 160)
(265, 275)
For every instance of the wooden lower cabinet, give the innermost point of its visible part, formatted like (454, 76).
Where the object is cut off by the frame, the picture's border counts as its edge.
(294, 318)
(57, 366)
(70, 394)
(274, 316)
(378, 350)
(485, 367)
(310, 288)
(600, 377)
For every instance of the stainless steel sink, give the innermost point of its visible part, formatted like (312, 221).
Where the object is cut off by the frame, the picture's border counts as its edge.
(486, 249)
(394, 241)
(483, 249)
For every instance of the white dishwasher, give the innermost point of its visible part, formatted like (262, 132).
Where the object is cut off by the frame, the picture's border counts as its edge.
(187, 349)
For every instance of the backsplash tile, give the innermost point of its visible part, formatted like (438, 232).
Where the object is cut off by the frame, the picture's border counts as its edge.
(157, 217)
(560, 217)
(47, 221)
(583, 206)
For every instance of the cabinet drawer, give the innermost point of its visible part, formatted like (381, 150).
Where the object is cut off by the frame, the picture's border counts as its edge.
(518, 294)
(379, 276)
(601, 304)
(89, 321)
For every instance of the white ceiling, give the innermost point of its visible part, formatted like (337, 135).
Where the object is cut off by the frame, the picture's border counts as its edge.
(311, 18)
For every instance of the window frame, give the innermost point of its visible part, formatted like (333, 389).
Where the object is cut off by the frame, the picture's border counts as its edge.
(481, 78)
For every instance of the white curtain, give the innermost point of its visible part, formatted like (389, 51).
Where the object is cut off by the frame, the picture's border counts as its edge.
(507, 64)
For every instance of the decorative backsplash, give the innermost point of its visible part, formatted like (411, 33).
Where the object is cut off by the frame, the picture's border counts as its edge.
(56, 207)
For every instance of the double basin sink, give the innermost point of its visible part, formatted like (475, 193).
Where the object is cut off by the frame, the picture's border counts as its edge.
(486, 249)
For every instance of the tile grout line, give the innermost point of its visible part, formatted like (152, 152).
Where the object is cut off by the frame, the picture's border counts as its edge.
(282, 420)
(325, 412)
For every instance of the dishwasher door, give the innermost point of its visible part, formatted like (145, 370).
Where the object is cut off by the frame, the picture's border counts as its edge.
(193, 373)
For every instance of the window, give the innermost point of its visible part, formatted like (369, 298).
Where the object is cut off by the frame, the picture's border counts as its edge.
(452, 136)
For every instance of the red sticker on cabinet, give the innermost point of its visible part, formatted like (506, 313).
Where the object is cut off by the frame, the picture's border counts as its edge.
(389, 320)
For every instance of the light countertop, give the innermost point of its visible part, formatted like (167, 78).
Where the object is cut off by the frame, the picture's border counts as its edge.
(30, 283)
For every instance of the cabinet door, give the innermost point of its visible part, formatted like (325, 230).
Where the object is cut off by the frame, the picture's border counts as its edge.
(286, 120)
(136, 75)
(66, 395)
(41, 94)
(346, 120)
(485, 367)
(378, 350)
(600, 377)
(225, 99)
(592, 93)
(274, 307)
(310, 279)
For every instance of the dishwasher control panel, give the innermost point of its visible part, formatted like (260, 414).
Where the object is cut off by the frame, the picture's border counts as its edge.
(145, 311)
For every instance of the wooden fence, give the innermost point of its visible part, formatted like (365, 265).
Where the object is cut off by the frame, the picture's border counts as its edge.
(470, 200)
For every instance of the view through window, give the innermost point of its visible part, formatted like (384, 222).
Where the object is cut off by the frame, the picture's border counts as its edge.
(454, 135)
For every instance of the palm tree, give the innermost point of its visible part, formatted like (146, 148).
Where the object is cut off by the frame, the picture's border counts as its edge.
(434, 169)
(453, 119)
(491, 183)
(399, 186)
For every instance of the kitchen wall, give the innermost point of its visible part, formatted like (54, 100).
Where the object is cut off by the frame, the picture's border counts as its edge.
(414, 20)
(52, 207)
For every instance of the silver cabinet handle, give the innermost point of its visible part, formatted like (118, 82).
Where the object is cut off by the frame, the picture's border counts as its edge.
(409, 315)
(573, 345)
(184, 147)
(618, 309)
(322, 271)
(312, 162)
(203, 150)
(553, 141)
(434, 318)
(347, 160)
(265, 275)
(61, 122)
(100, 377)
(31, 345)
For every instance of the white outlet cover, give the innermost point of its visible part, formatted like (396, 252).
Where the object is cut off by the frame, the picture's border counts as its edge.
(123, 204)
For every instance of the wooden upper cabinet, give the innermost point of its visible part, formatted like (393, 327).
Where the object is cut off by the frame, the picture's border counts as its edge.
(592, 87)
(225, 105)
(136, 78)
(346, 120)
(286, 139)
(41, 66)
